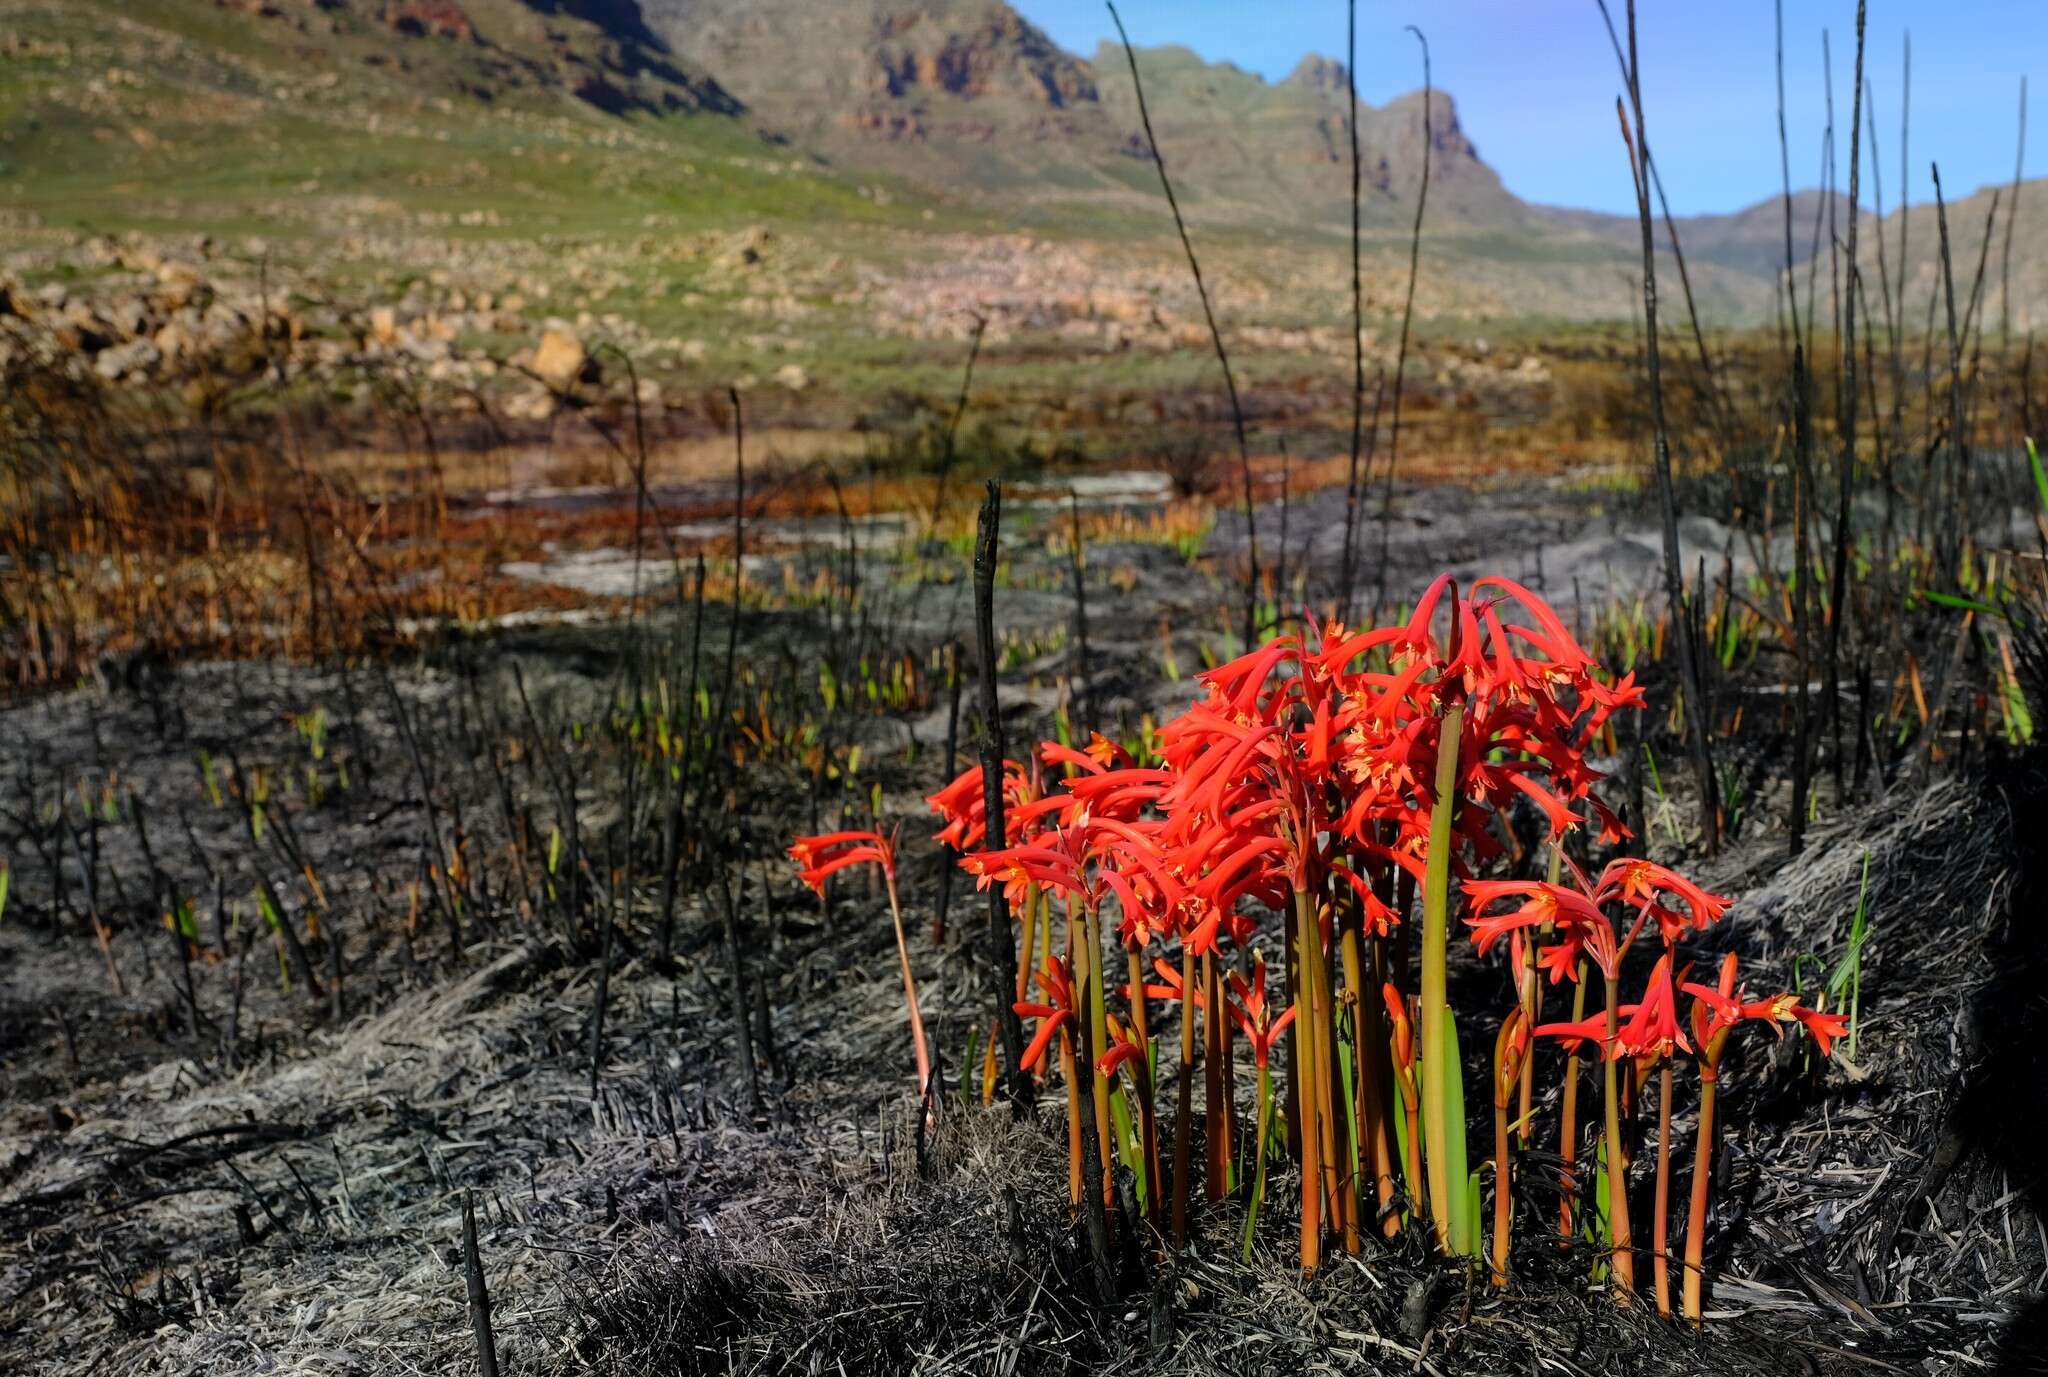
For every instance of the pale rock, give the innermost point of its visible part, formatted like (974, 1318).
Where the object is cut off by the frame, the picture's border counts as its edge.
(174, 341)
(559, 359)
(136, 356)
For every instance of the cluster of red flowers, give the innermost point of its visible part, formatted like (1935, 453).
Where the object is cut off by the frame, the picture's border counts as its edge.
(1332, 778)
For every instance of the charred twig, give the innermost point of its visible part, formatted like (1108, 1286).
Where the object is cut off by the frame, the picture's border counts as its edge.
(1407, 323)
(1674, 579)
(1244, 458)
(1002, 950)
(479, 1294)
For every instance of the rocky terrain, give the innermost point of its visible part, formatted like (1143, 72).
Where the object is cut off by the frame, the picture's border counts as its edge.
(593, 148)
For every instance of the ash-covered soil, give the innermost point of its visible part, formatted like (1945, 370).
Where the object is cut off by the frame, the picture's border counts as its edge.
(209, 1172)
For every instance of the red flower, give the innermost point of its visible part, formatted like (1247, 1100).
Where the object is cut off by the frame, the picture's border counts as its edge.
(1644, 884)
(1253, 1015)
(825, 855)
(1651, 1028)
(1058, 1012)
(1124, 1045)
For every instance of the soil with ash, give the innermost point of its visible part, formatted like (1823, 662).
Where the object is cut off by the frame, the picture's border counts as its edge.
(225, 1176)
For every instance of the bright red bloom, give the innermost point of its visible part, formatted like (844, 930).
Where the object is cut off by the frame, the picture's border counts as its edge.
(1650, 1028)
(825, 855)
(1545, 907)
(1717, 1009)
(1125, 1045)
(1249, 1010)
(1645, 884)
(962, 805)
(1053, 982)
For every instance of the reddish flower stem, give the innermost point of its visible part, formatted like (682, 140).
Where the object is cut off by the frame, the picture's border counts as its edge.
(1503, 1204)
(1568, 1116)
(917, 1038)
(1702, 1174)
(1307, 1073)
(1661, 1223)
(1183, 1166)
(1622, 1258)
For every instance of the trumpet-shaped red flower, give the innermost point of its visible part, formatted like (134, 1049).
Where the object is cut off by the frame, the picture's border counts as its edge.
(962, 805)
(1646, 886)
(1653, 1029)
(1714, 1010)
(1249, 1010)
(1054, 1014)
(1650, 1029)
(1125, 1045)
(825, 855)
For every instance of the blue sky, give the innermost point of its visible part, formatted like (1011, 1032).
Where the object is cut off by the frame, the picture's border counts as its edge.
(1535, 82)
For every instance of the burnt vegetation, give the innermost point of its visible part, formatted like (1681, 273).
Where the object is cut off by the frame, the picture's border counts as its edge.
(401, 968)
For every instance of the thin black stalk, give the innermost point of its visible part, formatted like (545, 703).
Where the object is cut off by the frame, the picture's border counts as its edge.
(1802, 442)
(1346, 566)
(743, 1026)
(602, 997)
(678, 779)
(1001, 946)
(1407, 322)
(717, 761)
(1077, 674)
(479, 1294)
(165, 898)
(951, 449)
(1244, 458)
(1838, 604)
(1674, 578)
(1959, 452)
(947, 855)
(1905, 225)
(2012, 214)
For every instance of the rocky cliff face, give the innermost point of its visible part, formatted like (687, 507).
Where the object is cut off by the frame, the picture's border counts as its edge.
(957, 92)
(599, 51)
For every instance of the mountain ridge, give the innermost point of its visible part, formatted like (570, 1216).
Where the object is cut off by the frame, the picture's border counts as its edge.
(964, 107)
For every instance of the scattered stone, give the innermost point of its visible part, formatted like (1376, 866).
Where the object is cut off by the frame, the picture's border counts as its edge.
(560, 359)
(118, 361)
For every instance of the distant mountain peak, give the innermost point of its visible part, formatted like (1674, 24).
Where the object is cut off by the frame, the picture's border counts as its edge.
(1318, 73)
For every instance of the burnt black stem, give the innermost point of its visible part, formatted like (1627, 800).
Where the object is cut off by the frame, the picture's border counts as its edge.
(479, 1293)
(1244, 458)
(951, 451)
(2012, 213)
(1959, 453)
(1001, 946)
(1077, 676)
(1674, 578)
(1407, 322)
(1838, 607)
(1802, 444)
(736, 970)
(947, 854)
(739, 556)
(1346, 566)
(166, 899)
(678, 778)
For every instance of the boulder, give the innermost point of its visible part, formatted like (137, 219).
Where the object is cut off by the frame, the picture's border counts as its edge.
(136, 356)
(560, 359)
